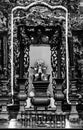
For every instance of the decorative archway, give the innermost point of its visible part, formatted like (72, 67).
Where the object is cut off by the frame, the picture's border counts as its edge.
(51, 23)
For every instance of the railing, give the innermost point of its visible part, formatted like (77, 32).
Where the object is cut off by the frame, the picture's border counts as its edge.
(43, 119)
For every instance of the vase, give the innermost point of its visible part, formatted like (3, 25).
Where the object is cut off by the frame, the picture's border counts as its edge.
(22, 96)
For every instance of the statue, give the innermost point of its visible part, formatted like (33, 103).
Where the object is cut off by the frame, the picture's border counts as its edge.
(40, 71)
(40, 80)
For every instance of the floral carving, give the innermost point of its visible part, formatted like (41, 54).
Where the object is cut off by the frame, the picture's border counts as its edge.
(3, 22)
(77, 22)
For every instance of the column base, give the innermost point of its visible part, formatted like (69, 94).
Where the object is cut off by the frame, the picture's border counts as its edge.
(73, 117)
(4, 115)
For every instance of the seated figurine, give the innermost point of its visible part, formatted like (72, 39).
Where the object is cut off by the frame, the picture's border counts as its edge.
(40, 83)
(40, 96)
(40, 72)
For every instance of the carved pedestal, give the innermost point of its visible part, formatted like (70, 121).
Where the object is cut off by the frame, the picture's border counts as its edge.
(22, 96)
(4, 98)
(41, 99)
(4, 94)
(59, 96)
(13, 110)
(74, 117)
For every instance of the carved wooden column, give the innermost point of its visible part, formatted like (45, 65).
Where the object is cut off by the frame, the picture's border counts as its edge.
(21, 60)
(3, 73)
(4, 98)
(76, 71)
(21, 80)
(4, 80)
(59, 96)
(22, 94)
(5, 54)
(80, 62)
(74, 117)
(57, 77)
(71, 55)
(73, 97)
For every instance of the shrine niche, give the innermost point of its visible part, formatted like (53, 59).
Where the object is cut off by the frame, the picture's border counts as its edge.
(41, 24)
(39, 15)
(41, 61)
(34, 27)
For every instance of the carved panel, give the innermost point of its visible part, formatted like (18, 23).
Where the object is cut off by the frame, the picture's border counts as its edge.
(3, 22)
(38, 16)
(9, 50)
(3, 44)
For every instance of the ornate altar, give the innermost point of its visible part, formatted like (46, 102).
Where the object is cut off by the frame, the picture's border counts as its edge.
(54, 23)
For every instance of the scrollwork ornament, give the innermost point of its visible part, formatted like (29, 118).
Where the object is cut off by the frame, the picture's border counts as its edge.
(26, 66)
(56, 2)
(54, 58)
(54, 67)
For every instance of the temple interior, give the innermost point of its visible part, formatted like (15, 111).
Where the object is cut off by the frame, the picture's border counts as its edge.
(41, 64)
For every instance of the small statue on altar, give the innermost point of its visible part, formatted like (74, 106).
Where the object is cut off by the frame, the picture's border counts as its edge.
(40, 71)
(40, 96)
